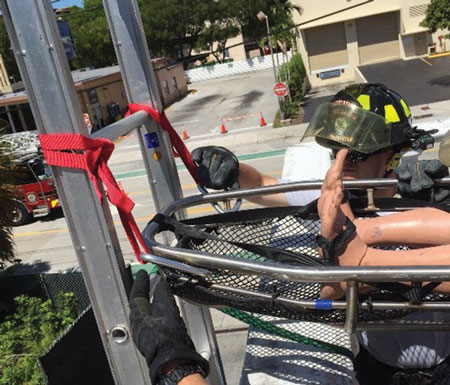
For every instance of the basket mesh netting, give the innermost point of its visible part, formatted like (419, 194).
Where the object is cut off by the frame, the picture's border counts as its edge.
(271, 357)
(277, 236)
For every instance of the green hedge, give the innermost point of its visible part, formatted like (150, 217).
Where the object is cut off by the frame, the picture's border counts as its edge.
(28, 332)
(298, 73)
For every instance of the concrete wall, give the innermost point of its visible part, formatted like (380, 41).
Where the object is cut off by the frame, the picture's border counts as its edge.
(172, 90)
(442, 45)
(401, 19)
(233, 68)
(314, 9)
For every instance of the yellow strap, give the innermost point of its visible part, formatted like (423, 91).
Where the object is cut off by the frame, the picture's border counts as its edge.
(364, 100)
(405, 108)
(390, 114)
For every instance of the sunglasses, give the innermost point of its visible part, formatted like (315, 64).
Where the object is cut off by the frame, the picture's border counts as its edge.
(354, 156)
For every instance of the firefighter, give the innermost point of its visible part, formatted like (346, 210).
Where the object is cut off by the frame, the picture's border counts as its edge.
(381, 124)
(161, 336)
(374, 124)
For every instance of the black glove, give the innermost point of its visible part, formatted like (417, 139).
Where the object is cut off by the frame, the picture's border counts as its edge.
(416, 180)
(218, 168)
(158, 330)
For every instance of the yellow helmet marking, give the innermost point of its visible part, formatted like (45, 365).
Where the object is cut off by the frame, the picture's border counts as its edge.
(390, 114)
(364, 100)
(405, 108)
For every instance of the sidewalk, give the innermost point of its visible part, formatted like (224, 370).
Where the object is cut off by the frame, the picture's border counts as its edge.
(264, 137)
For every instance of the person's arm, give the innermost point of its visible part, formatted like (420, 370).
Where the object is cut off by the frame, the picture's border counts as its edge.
(160, 334)
(356, 252)
(419, 227)
(219, 169)
(249, 177)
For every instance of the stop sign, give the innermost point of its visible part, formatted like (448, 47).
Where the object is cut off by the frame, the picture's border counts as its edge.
(280, 89)
(87, 120)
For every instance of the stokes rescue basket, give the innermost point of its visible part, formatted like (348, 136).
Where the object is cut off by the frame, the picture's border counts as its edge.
(265, 261)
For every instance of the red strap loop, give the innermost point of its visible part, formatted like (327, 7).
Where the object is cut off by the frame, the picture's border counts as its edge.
(178, 145)
(92, 155)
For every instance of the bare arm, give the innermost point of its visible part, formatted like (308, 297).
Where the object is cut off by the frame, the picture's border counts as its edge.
(420, 227)
(249, 177)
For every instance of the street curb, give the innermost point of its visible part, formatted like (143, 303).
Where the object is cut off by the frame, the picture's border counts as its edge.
(231, 140)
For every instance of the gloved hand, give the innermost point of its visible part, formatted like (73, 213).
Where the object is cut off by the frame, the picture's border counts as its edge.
(218, 167)
(416, 180)
(158, 330)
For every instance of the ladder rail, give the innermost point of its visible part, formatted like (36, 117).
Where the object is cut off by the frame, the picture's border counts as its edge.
(140, 83)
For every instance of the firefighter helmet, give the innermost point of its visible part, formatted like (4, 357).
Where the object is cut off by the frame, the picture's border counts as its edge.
(365, 118)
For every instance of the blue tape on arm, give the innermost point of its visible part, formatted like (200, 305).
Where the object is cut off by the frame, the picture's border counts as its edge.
(323, 304)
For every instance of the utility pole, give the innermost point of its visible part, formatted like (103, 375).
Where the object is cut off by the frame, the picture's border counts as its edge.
(262, 16)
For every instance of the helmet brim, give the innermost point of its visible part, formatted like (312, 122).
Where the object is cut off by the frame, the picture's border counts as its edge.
(336, 125)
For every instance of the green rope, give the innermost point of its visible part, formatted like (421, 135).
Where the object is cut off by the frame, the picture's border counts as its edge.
(276, 330)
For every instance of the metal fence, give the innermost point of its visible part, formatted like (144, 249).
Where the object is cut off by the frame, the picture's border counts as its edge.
(45, 286)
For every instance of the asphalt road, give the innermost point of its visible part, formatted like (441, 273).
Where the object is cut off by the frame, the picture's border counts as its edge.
(418, 81)
(237, 99)
(45, 244)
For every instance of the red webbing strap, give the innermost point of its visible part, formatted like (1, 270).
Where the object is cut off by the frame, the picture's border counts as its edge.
(178, 145)
(92, 155)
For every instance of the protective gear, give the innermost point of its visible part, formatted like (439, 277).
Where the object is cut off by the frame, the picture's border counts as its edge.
(444, 150)
(158, 330)
(416, 180)
(218, 167)
(364, 118)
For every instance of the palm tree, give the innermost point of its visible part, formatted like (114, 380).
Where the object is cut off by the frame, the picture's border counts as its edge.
(282, 22)
(6, 208)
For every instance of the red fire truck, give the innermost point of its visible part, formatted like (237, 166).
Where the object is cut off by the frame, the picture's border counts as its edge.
(35, 190)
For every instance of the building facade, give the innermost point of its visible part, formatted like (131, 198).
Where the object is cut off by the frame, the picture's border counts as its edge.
(334, 46)
(5, 84)
(101, 93)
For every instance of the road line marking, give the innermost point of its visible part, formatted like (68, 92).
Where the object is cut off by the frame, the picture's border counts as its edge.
(192, 210)
(426, 62)
(438, 55)
(187, 121)
(181, 167)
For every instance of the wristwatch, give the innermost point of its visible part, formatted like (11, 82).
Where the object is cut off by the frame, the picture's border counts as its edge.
(176, 375)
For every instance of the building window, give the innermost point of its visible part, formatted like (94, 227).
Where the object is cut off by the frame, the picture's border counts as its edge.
(92, 95)
(165, 86)
(174, 83)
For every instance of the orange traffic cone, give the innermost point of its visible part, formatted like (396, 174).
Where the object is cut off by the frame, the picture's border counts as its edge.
(262, 122)
(223, 129)
(185, 134)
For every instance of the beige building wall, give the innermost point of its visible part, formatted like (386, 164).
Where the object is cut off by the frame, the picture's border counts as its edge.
(237, 53)
(377, 31)
(5, 85)
(171, 83)
(378, 38)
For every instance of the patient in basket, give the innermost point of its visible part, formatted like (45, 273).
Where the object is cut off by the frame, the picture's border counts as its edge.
(426, 229)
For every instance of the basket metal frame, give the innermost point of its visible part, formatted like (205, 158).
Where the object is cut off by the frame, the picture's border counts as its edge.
(183, 259)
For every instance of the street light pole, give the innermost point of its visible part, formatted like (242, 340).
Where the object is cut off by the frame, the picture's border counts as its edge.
(262, 16)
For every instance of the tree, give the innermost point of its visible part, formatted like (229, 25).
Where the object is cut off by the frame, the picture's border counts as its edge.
(438, 16)
(7, 53)
(172, 27)
(91, 36)
(221, 25)
(6, 208)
